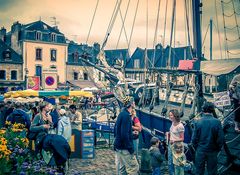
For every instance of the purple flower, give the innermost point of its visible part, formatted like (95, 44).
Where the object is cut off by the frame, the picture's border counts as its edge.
(22, 173)
(25, 163)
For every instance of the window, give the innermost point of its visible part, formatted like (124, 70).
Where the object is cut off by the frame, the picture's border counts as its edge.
(85, 76)
(38, 54)
(137, 63)
(99, 76)
(75, 75)
(13, 75)
(75, 57)
(53, 55)
(38, 35)
(39, 71)
(2, 75)
(53, 37)
(7, 54)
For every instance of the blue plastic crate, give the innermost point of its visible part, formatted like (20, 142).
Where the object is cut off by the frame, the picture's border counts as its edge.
(88, 140)
(87, 133)
(88, 156)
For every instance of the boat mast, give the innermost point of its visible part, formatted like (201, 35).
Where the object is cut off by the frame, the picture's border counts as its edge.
(197, 33)
(197, 45)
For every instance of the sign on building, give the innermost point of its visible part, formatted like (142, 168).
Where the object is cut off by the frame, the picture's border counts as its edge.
(49, 81)
(33, 82)
(222, 99)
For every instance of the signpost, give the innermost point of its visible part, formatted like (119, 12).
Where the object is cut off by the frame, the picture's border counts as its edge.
(49, 81)
(222, 99)
(33, 82)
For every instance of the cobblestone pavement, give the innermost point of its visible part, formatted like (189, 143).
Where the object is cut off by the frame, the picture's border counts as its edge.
(102, 164)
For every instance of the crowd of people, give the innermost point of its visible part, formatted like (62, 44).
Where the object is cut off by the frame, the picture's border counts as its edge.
(207, 139)
(50, 127)
(49, 123)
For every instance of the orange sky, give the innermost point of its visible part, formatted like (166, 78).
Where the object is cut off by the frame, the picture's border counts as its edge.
(74, 17)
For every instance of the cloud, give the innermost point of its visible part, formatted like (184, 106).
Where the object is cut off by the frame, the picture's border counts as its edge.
(8, 4)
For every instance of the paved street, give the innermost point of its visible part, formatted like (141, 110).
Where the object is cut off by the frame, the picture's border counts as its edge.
(102, 164)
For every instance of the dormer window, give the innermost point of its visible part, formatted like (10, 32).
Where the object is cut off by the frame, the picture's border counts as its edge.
(38, 35)
(137, 63)
(53, 37)
(7, 54)
(75, 57)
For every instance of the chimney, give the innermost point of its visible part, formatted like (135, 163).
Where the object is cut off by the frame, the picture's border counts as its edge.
(3, 32)
(15, 37)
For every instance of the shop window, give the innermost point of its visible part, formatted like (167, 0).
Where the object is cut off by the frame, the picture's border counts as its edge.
(2, 75)
(13, 75)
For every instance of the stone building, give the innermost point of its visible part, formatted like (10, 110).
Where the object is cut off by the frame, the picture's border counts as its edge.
(11, 68)
(43, 49)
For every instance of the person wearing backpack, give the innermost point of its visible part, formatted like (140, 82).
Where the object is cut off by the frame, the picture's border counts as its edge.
(19, 116)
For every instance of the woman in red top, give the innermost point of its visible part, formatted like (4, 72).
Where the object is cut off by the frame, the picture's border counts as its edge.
(137, 128)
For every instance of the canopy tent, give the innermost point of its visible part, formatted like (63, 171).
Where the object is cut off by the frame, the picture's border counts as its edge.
(32, 93)
(220, 67)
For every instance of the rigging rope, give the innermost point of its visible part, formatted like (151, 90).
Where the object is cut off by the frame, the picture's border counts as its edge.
(164, 33)
(111, 23)
(92, 21)
(171, 36)
(156, 32)
(235, 16)
(225, 33)
(205, 36)
(188, 31)
(130, 38)
(123, 26)
(217, 27)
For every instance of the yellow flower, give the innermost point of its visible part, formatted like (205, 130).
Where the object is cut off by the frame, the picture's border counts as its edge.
(2, 131)
(17, 130)
(8, 123)
(25, 141)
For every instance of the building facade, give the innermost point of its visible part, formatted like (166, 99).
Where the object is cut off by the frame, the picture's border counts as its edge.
(78, 73)
(11, 68)
(43, 48)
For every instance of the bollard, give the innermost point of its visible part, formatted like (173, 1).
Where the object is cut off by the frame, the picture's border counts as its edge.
(145, 162)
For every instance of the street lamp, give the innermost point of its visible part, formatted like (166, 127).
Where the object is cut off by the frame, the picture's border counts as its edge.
(26, 76)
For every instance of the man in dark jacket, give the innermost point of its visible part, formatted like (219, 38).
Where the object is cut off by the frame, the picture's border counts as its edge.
(208, 139)
(123, 144)
(19, 116)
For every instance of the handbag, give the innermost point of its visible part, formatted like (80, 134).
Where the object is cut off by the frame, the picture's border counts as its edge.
(32, 135)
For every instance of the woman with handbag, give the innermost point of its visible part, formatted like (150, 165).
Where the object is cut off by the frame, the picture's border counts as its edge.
(41, 124)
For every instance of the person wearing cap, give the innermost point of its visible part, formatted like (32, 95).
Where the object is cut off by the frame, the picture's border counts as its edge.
(123, 144)
(156, 156)
(208, 139)
(64, 125)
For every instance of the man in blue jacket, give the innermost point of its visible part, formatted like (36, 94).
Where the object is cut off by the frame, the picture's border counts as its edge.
(19, 116)
(123, 144)
(208, 139)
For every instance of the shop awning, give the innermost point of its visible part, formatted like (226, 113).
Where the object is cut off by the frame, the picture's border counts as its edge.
(32, 93)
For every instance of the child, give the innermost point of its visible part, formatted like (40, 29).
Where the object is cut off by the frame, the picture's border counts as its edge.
(179, 158)
(64, 125)
(156, 157)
